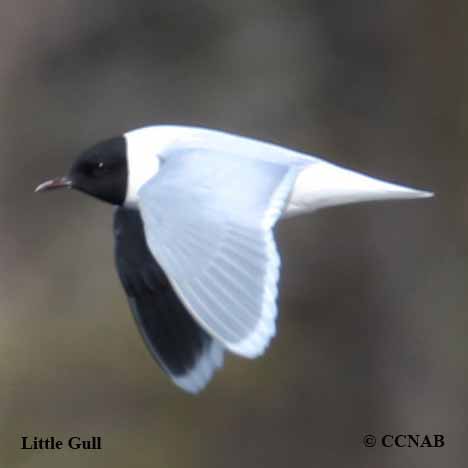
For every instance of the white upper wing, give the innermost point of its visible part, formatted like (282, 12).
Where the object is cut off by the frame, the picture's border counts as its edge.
(208, 219)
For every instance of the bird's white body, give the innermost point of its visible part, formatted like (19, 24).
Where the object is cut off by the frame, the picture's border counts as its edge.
(318, 183)
(209, 201)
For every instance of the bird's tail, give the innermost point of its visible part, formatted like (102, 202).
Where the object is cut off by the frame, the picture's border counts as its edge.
(323, 184)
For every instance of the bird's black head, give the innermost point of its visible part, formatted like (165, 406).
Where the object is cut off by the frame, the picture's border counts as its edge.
(101, 171)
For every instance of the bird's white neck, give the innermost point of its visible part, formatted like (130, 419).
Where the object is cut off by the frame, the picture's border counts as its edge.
(144, 148)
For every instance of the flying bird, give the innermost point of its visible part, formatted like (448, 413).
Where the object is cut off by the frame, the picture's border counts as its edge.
(193, 229)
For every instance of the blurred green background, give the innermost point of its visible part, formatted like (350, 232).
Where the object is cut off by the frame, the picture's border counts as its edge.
(373, 307)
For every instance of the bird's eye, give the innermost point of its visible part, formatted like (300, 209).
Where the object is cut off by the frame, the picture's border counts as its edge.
(98, 169)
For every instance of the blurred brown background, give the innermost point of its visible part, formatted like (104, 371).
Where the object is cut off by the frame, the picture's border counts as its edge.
(373, 323)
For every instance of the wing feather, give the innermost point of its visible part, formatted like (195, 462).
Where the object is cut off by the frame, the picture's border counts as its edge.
(184, 350)
(208, 219)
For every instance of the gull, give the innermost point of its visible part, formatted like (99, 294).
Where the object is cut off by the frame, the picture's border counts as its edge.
(193, 230)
